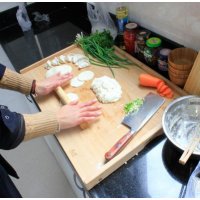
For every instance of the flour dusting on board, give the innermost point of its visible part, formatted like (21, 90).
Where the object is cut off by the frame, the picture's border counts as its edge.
(99, 165)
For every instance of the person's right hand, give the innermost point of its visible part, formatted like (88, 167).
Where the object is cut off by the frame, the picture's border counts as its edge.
(47, 85)
(76, 113)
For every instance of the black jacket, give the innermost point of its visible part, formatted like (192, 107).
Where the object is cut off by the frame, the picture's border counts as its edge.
(12, 130)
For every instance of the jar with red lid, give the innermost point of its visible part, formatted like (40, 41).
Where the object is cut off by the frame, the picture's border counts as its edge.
(130, 37)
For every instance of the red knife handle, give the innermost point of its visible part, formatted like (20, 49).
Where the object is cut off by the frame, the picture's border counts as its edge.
(121, 143)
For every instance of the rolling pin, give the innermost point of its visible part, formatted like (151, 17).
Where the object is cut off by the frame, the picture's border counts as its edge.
(65, 100)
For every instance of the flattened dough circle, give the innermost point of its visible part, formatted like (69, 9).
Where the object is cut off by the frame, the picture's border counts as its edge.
(75, 82)
(86, 76)
(63, 69)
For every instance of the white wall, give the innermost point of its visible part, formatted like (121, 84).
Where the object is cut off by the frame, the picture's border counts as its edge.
(179, 22)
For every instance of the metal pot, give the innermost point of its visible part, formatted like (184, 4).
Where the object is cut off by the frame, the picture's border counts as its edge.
(181, 121)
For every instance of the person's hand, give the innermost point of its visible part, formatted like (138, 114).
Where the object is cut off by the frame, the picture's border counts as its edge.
(47, 85)
(76, 113)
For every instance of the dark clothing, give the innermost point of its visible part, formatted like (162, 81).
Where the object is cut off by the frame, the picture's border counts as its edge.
(7, 187)
(12, 130)
(2, 70)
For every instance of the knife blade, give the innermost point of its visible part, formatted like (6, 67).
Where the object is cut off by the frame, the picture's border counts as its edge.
(136, 121)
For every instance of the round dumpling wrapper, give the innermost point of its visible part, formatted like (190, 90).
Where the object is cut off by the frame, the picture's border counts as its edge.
(86, 76)
(75, 82)
(82, 63)
(63, 69)
(72, 96)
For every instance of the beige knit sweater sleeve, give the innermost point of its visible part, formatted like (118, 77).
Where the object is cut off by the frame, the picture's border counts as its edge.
(36, 125)
(15, 81)
(40, 124)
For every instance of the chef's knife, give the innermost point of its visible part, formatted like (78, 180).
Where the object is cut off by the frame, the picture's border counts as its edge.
(136, 121)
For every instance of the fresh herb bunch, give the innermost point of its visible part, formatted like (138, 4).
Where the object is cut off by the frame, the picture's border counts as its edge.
(133, 106)
(99, 47)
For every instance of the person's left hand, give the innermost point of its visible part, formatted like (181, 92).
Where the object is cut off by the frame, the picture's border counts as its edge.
(47, 85)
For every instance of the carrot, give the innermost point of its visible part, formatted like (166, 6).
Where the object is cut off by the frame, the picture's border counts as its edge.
(160, 85)
(163, 88)
(161, 94)
(148, 80)
(170, 95)
(151, 81)
(167, 91)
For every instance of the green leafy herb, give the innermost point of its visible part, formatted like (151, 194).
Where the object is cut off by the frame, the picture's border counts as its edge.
(133, 106)
(99, 48)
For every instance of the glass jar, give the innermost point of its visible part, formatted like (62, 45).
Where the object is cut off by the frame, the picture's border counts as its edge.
(122, 18)
(151, 51)
(129, 37)
(163, 59)
(140, 42)
(120, 42)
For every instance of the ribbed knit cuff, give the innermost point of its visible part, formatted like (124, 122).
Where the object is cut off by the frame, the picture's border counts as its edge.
(15, 81)
(40, 124)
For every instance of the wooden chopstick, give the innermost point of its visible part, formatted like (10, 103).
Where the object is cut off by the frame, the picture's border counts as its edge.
(189, 150)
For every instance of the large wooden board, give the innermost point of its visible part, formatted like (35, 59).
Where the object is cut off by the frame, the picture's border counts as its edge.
(192, 84)
(86, 148)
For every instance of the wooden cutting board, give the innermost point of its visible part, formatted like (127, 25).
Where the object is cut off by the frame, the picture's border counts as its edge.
(86, 148)
(192, 85)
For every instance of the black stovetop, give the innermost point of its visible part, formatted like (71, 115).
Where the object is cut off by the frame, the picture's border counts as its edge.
(154, 173)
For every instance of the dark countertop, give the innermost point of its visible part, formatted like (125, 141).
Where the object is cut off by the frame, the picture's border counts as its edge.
(155, 172)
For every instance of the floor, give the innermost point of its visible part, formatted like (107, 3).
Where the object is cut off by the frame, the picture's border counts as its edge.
(40, 174)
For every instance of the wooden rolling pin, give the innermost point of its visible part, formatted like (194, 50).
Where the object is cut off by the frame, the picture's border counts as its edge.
(62, 95)
(65, 100)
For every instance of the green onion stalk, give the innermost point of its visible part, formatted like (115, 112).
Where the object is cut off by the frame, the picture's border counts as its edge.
(133, 106)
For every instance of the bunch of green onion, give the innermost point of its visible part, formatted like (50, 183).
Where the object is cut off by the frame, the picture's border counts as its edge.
(99, 48)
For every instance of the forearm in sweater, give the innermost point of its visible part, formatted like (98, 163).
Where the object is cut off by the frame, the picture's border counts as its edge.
(15, 81)
(40, 124)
